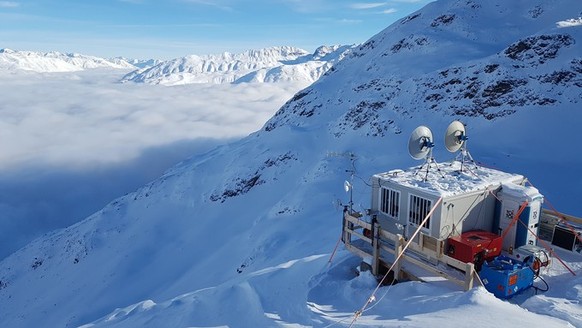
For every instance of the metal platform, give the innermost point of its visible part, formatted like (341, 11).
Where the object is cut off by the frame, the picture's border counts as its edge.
(423, 261)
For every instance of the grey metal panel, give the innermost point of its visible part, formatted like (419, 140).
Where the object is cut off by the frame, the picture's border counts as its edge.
(435, 218)
(388, 223)
(436, 221)
(473, 211)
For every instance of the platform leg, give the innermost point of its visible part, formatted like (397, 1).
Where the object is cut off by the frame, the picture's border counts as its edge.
(375, 250)
(469, 271)
(397, 251)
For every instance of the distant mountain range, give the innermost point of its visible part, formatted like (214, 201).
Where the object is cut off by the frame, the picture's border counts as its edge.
(265, 65)
(273, 64)
(52, 62)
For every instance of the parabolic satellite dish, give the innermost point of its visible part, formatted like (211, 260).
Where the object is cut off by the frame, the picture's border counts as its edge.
(347, 186)
(455, 136)
(420, 142)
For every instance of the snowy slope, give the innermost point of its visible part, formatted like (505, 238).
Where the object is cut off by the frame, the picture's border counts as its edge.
(240, 236)
(263, 65)
(55, 61)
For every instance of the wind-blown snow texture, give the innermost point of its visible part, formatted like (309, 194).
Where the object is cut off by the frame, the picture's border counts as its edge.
(241, 235)
(265, 65)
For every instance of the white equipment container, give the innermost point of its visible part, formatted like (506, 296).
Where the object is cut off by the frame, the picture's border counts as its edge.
(511, 198)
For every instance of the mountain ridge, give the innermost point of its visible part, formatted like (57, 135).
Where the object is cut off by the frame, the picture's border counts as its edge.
(267, 65)
(52, 62)
(272, 64)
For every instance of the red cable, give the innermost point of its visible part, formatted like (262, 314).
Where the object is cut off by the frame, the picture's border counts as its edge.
(336, 245)
(515, 217)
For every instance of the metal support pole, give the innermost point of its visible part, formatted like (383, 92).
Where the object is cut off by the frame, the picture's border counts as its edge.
(398, 249)
(375, 249)
(469, 269)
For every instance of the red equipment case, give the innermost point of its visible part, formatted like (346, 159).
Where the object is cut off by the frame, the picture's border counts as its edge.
(468, 245)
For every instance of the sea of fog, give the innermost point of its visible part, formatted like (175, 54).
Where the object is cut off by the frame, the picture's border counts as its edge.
(72, 142)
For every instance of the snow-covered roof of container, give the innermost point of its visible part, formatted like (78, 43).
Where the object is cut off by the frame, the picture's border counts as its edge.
(521, 193)
(449, 180)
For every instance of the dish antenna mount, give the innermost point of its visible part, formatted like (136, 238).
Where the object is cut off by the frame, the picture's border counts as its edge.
(455, 140)
(420, 146)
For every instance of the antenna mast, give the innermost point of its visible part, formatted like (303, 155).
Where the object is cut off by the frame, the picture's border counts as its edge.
(348, 185)
(420, 146)
(455, 139)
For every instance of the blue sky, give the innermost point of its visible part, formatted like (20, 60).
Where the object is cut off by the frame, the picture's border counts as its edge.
(174, 28)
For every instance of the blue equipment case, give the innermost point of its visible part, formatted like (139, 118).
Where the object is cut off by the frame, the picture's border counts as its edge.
(505, 277)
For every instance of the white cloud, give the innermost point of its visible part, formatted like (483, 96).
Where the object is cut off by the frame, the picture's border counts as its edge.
(72, 142)
(367, 5)
(9, 4)
(411, 1)
(81, 119)
(389, 11)
(309, 6)
(349, 21)
(214, 3)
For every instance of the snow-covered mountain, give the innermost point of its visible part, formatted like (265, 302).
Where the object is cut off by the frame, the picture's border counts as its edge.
(241, 236)
(55, 61)
(276, 64)
(264, 65)
(139, 63)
